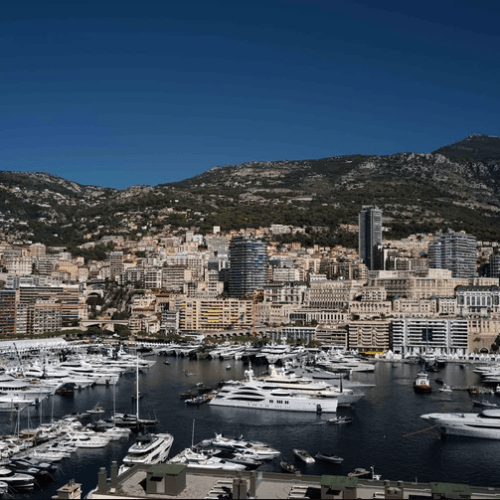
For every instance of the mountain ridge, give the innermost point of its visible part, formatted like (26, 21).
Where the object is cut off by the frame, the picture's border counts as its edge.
(455, 186)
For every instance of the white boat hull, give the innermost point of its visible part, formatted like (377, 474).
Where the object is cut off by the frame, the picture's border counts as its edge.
(466, 424)
(296, 404)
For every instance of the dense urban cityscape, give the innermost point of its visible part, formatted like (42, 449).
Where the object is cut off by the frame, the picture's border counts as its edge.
(317, 311)
(426, 292)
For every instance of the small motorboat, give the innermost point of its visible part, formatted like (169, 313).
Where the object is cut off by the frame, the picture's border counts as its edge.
(249, 463)
(96, 410)
(290, 468)
(228, 367)
(304, 455)
(329, 457)
(166, 362)
(484, 403)
(198, 400)
(364, 474)
(446, 388)
(340, 420)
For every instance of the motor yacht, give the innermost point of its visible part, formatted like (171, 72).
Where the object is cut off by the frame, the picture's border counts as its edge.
(284, 378)
(200, 460)
(250, 449)
(256, 395)
(116, 433)
(485, 424)
(149, 449)
(422, 385)
(16, 480)
(87, 440)
(329, 457)
(304, 455)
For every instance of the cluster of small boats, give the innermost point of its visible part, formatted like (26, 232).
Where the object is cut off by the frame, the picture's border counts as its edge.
(226, 453)
(30, 458)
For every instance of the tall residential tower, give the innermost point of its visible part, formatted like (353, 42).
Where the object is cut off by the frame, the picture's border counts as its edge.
(370, 237)
(247, 266)
(454, 251)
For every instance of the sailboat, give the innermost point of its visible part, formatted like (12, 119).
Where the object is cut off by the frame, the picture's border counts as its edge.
(130, 420)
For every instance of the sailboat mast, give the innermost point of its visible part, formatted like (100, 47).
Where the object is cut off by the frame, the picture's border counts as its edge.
(137, 387)
(114, 404)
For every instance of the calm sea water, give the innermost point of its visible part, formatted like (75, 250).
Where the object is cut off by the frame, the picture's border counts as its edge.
(384, 432)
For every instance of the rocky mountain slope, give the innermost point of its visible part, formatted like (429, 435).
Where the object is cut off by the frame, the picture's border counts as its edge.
(456, 186)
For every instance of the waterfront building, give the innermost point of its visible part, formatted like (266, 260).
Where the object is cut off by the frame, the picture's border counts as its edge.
(482, 333)
(369, 335)
(248, 262)
(215, 314)
(298, 333)
(169, 320)
(332, 335)
(418, 335)
(455, 251)
(370, 236)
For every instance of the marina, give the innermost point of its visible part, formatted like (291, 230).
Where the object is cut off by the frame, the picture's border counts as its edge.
(384, 424)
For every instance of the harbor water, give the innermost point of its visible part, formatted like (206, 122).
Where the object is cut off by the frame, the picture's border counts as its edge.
(386, 432)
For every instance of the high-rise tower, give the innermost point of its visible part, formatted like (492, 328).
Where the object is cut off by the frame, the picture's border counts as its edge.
(454, 251)
(247, 266)
(370, 236)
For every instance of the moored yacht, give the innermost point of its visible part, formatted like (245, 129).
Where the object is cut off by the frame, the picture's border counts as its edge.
(422, 384)
(485, 424)
(149, 449)
(304, 385)
(17, 480)
(255, 394)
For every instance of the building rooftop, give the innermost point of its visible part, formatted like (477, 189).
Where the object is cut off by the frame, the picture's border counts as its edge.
(180, 482)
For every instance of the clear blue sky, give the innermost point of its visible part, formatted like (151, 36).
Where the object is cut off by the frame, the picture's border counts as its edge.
(122, 93)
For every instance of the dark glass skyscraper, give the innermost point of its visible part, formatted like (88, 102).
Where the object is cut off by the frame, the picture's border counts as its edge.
(370, 237)
(247, 266)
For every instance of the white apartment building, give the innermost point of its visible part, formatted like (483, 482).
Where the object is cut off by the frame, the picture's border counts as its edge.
(415, 336)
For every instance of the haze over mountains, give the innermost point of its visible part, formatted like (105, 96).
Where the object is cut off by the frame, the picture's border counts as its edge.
(456, 186)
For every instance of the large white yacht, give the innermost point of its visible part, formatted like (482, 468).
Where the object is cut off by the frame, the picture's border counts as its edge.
(485, 424)
(304, 385)
(259, 394)
(149, 449)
